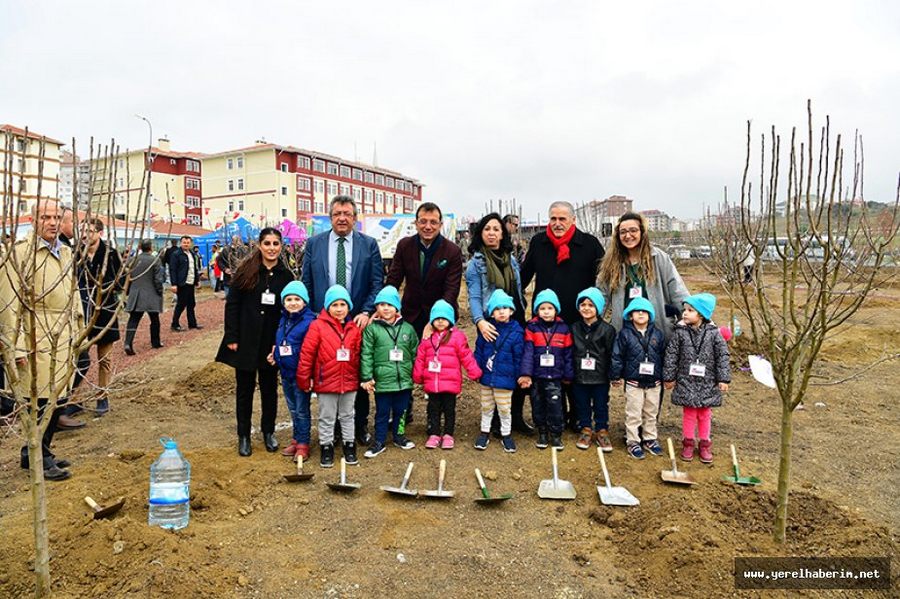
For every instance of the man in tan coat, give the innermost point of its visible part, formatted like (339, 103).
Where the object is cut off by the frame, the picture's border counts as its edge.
(40, 316)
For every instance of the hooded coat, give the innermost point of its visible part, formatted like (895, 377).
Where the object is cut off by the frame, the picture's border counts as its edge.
(451, 349)
(291, 332)
(500, 360)
(378, 339)
(554, 339)
(628, 353)
(706, 346)
(318, 356)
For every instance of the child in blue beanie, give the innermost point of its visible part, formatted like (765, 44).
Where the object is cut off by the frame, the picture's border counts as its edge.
(638, 355)
(697, 367)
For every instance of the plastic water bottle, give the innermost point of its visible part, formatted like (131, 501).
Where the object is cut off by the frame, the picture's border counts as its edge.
(736, 327)
(170, 484)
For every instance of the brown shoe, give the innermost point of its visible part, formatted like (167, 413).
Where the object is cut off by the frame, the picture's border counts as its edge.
(584, 439)
(67, 423)
(601, 438)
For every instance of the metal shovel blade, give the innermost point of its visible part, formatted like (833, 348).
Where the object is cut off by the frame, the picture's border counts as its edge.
(439, 493)
(674, 475)
(343, 486)
(402, 490)
(737, 478)
(300, 476)
(104, 511)
(486, 497)
(556, 488)
(610, 495)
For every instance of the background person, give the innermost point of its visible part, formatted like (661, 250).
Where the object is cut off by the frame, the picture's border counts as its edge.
(184, 271)
(144, 295)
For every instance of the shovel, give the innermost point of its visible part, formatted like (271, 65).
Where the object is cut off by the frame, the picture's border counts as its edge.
(555, 488)
(300, 476)
(486, 498)
(104, 512)
(343, 486)
(402, 490)
(674, 475)
(737, 478)
(610, 495)
(440, 493)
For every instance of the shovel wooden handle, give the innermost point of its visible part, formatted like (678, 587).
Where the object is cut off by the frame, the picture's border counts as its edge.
(480, 479)
(671, 451)
(93, 504)
(407, 475)
(442, 472)
(603, 465)
(299, 464)
(733, 456)
(343, 471)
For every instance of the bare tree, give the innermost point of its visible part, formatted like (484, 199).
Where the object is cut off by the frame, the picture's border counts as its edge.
(817, 254)
(43, 322)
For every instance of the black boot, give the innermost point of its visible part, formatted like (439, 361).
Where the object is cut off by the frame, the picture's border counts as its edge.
(543, 440)
(350, 453)
(519, 423)
(271, 442)
(244, 448)
(363, 436)
(326, 460)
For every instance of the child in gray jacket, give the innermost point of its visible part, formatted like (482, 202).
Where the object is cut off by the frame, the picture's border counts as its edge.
(697, 368)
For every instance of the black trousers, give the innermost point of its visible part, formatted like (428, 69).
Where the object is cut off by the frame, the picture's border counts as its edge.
(245, 381)
(134, 319)
(441, 404)
(47, 439)
(185, 301)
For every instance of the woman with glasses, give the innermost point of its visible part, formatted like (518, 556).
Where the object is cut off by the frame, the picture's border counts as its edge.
(632, 268)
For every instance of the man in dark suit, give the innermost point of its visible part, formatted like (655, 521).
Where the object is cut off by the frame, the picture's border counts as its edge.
(184, 272)
(430, 264)
(344, 256)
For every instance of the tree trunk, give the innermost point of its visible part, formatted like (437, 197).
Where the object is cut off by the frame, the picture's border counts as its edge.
(784, 473)
(39, 504)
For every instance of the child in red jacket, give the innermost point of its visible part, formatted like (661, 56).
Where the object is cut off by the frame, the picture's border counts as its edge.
(438, 367)
(329, 365)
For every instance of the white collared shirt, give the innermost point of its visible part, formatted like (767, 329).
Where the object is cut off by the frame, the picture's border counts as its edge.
(332, 257)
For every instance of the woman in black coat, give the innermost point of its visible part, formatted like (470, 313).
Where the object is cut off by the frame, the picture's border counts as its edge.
(252, 312)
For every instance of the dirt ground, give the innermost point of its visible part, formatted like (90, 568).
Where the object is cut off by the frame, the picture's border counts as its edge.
(254, 535)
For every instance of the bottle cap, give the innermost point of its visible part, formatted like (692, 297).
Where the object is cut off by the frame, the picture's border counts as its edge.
(168, 443)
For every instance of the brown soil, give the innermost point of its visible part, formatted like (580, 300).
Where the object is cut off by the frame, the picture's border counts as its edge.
(254, 535)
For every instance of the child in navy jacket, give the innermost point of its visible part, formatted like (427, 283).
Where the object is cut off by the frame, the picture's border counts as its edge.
(499, 361)
(547, 362)
(295, 321)
(638, 358)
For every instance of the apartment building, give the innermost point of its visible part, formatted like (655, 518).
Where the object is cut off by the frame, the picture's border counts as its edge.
(266, 183)
(74, 180)
(119, 185)
(23, 170)
(599, 216)
(657, 220)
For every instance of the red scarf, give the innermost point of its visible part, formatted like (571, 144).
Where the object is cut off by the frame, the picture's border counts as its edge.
(561, 243)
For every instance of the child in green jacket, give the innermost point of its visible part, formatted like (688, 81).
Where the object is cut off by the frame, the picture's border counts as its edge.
(389, 347)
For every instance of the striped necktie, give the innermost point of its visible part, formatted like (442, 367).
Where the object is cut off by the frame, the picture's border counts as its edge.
(341, 273)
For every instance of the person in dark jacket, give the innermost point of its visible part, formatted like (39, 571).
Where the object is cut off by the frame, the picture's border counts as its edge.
(100, 275)
(144, 295)
(252, 313)
(547, 358)
(184, 274)
(295, 320)
(697, 367)
(499, 361)
(638, 356)
(593, 341)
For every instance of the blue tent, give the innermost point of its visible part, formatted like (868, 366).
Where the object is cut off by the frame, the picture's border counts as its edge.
(241, 226)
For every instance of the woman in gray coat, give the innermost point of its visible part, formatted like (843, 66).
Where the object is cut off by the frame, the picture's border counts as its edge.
(633, 268)
(144, 295)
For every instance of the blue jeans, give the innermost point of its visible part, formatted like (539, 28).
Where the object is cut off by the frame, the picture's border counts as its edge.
(390, 406)
(592, 400)
(547, 406)
(298, 406)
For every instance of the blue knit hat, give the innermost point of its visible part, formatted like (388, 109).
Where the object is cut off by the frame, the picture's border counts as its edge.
(295, 288)
(593, 294)
(500, 299)
(388, 295)
(335, 293)
(704, 303)
(547, 296)
(442, 309)
(639, 304)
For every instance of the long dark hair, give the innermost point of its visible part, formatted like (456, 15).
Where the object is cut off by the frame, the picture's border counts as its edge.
(617, 255)
(247, 275)
(477, 244)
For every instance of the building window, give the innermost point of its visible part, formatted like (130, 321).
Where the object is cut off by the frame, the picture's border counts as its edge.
(389, 182)
(120, 163)
(345, 190)
(192, 166)
(193, 219)
(379, 197)
(229, 164)
(379, 180)
(193, 202)
(303, 205)
(320, 207)
(357, 174)
(191, 183)
(20, 146)
(370, 177)
(284, 213)
(240, 162)
(319, 165)
(284, 190)
(303, 162)
(240, 184)
(367, 194)
(241, 205)
(230, 205)
(332, 168)
(320, 186)
(303, 184)
(345, 172)
(332, 189)
(284, 167)
(231, 185)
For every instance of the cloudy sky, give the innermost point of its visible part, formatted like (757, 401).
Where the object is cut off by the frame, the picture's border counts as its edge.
(536, 101)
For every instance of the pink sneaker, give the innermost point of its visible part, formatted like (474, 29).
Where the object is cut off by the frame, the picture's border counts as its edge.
(433, 442)
(447, 442)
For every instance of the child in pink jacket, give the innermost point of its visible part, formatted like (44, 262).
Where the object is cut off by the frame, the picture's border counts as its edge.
(438, 367)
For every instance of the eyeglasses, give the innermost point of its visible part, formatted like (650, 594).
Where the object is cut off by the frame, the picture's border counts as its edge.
(624, 232)
(425, 222)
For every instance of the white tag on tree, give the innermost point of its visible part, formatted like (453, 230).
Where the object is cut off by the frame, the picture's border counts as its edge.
(285, 350)
(588, 364)
(634, 292)
(343, 355)
(268, 298)
(396, 355)
(434, 366)
(698, 369)
(547, 360)
(647, 368)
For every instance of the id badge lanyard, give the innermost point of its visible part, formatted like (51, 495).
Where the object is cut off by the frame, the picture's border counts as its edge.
(396, 354)
(286, 349)
(697, 368)
(548, 360)
(646, 368)
(435, 364)
(343, 354)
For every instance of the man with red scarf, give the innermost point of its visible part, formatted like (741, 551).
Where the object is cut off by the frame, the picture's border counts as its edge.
(566, 260)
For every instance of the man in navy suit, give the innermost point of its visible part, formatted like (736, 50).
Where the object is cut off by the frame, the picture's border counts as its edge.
(344, 256)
